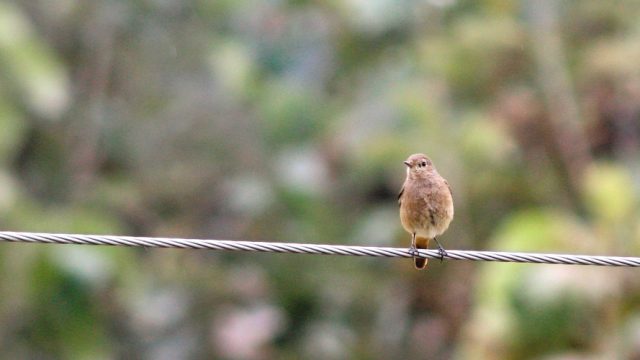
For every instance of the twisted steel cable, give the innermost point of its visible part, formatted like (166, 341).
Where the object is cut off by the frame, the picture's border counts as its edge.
(349, 250)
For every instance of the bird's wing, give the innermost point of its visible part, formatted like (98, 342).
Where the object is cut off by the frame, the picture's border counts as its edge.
(400, 196)
(449, 186)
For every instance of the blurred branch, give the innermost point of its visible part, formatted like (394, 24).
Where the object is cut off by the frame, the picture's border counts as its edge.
(564, 116)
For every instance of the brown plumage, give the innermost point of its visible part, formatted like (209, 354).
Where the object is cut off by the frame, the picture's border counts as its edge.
(426, 204)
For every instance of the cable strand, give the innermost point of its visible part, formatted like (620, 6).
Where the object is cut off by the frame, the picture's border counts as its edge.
(295, 248)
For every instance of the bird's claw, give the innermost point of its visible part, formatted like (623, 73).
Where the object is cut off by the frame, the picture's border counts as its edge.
(441, 250)
(443, 253)
(413, 251)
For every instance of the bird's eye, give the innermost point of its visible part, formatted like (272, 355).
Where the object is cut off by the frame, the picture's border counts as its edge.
(423, 164)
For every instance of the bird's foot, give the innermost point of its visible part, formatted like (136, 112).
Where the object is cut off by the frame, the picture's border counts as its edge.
(443, 253)
(413, 251)
(441, 250)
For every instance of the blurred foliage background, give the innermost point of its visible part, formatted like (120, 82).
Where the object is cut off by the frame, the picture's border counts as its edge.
(289, 121)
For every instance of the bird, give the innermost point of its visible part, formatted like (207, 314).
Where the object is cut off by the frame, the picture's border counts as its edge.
(426, 205)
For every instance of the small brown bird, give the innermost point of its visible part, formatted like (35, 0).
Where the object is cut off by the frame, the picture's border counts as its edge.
(426, 205)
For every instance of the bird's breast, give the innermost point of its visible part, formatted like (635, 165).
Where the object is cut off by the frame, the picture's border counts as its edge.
(426, 207)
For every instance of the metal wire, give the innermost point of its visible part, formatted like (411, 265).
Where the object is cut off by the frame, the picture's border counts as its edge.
(279, 247)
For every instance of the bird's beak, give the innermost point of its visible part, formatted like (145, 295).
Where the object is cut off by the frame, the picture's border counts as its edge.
(407, 163)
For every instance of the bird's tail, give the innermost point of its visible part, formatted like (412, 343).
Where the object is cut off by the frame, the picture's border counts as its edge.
(421, 243)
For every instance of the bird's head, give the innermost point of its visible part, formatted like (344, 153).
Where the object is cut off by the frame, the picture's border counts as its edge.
(418, 165)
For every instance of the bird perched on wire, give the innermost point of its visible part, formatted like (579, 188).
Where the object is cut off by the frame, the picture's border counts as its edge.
(426, 205)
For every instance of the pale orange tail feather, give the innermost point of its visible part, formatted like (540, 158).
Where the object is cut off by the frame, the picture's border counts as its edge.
(421, 243)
